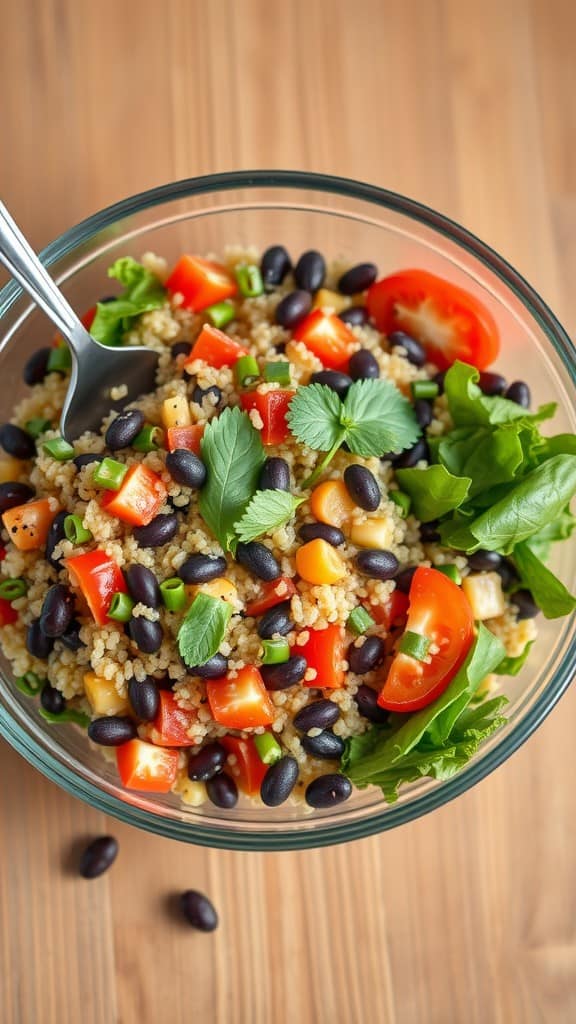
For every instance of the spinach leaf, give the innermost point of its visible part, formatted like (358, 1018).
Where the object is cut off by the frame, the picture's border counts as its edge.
(548, 591)
(511, 666)
(434, 491)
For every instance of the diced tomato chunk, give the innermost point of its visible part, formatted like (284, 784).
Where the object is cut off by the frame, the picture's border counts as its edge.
(201, 282)
(171, 725)
(324, 652)
(28, 524)
(185, 437)
(248, 770)
(393, 612)
(240, 701)
(215, 348)
(271, 594)
(328, 337)
(146, 767)
(139, 497)
(8, 614)
(272, 407)
(99, 577)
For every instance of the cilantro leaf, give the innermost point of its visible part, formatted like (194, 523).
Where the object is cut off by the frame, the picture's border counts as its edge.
(548, 591)
(142, 292)
(203, 629)
(267, 511)
(233, 455)
(434, 491)
(314, 417)
(378, 419)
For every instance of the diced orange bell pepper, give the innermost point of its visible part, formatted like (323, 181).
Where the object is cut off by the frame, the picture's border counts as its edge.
(171, 724)
(215, 348)
(146, 767)
(201, 282)
(272, 407)
(240, 701)
(324, 652)
(99, 577)
(330, 503)
(28, 524)
(185, 437)
(249, 770)
(139, 497)
(318, 562)
(328, 337)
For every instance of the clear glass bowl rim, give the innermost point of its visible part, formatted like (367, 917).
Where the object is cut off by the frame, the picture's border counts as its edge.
(325, 834)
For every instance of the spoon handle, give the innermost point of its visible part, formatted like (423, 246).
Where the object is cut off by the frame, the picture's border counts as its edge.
(22, 263)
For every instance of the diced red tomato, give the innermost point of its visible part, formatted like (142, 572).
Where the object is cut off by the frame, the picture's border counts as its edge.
(393, 613)
(8, 614)
(449, 322)
(27, 525)
(215, 348)
(185, 437)
(99, 577)
(324, 652)
(146, 767)
(201, 282)
(328, 337)
(272, 407)
(271, 594)
(170, 727)
(249, 770)
(139, 497)
(440, 611)
(241, 701)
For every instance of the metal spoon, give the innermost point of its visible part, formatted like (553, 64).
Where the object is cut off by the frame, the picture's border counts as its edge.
(96, 368)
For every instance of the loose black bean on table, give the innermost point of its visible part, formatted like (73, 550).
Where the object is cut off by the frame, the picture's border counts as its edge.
(57, 610)
(17, 442)
(325, 745)
(279, 781)
(320, 714)
(274, 475)
(222, 790)
(363, 365)
(200, 568)
(158, 532)
(147, 635)
(274, 266)
(124, 429)
(207, 762)
(280, 677)
(310, 271)
(293, 308)
(13, 493)
(362, 487)
(358, 278)
(322, 531)
(258, 560)
(186, 468)
(198, 910)
(143, 585)
(276, 620)
(333, 379)
(144, 698)
(328, 790)
(98, 856)
(112, 730)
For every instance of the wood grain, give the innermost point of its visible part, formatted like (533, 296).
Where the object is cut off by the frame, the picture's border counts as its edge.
(467, 915)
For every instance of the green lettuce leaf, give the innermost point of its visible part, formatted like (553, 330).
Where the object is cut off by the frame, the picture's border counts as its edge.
(434, 491)
(142, 293)
(469, 407)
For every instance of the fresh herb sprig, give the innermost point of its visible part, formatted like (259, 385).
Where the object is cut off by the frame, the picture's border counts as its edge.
(233, 454)
(203, 629)
(267, 511)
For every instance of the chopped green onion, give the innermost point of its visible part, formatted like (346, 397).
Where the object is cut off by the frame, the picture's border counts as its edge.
(278, 373)
(59, 449)
(69, 715)
(120, 607)
(403, 500)
(221, 313)
(249, 280)
(12, 588)
(75, 530)
(37, 426)
(451, 571)
(424, 389)
(59, 360)
(415, 645)
(173, 594)
(149, 439)
(269, 750)
(276, 652)
(30, 684)
(109, 473)
(246, 371)
(359, 620)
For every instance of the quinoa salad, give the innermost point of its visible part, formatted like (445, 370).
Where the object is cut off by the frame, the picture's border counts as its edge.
(308, 560)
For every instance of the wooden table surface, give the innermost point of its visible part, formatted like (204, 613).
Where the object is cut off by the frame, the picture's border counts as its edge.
(467, 916)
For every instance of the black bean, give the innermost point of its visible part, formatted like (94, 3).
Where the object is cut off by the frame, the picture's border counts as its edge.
(415, 353)
(277, 620)
(356, 316)
(213, 393)
(13, 493)
(438, 379)
(36, 367)
(358, 278)
(424, 412)
(181, 348)
(214, 668)
(362, 487)
(158, 532)
(143, 585)
(52, 700)
(413, 455)
(293, 308)
(17, 442)
(279, 781)
(485, 561)
(525, 603)
(274, 475)
(274, 266)
(320, 714)
(57, 610)
(403, 579)
(144, 698)
(363, 365)
(324, 745)
(333, 379)
(124, 429)
(367, 703)
(207, 762)
(145, 634)
(322, 531)
(71, 638)
(366, 657)
(379, 565)
(98, 856)
(202, 568)
(310, 271)
(37, 643)
(280, 677)
(186, 468)
(198, 910)
(112, 731)
(519, 392)
(328, 790)
(108, 298)
(258, 560)
(55, 535)
(429, 532)
(86, 460)
(507, 574)
(222, 790)
(492, 383)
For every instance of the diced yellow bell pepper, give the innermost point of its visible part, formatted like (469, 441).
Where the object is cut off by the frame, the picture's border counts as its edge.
(325, 299)
(176, 412)
(373, 533)
(103, 696)
(484, 592)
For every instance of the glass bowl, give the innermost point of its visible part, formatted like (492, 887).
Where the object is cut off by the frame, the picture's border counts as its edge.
(357, 222)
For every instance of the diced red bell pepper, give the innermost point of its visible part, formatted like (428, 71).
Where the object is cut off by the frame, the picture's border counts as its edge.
(146, 767)
(324, 652)
(240, 701)
(272, 407)
(201, 282)
(2, 552)
(215, 348)
(171, 724)
(99, 577)
(249, 770)
(328, 337)
(139, 497)
(8, 614)
(271, 594)
(393, 612)
(185, 437)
